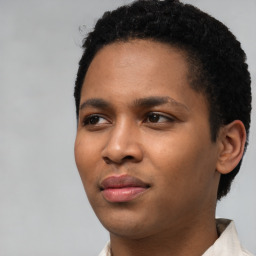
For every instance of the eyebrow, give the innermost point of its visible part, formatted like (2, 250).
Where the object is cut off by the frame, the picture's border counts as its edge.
(142, 102)
(156, 101)
(95, 102)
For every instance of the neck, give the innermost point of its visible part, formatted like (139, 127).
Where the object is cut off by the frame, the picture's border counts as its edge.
(193, 239)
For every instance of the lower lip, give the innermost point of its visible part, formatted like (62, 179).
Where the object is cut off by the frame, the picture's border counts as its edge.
(119, 195)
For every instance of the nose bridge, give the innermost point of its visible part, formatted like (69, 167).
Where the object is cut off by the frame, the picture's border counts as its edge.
(119, 136)
(123, 142)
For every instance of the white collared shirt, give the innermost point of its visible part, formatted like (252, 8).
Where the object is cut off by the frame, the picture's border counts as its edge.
(227, 244)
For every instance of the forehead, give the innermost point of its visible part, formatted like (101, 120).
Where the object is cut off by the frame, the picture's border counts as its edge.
(142, 59)
(128, 52)
(136, 69)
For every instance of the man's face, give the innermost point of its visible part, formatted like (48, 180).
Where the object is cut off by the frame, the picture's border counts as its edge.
(143, 146)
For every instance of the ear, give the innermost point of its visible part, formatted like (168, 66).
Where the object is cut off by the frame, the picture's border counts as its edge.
(232, 139)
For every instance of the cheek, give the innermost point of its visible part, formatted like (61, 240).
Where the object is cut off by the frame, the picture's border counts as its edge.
(85, 157)
(172, 151)
(182, 161)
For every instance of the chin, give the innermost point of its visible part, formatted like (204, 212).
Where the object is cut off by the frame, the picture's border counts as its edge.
(128, 231)
(126, 224)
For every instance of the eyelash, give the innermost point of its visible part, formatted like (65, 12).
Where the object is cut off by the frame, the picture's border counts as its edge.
(88, 119)
(159, 115)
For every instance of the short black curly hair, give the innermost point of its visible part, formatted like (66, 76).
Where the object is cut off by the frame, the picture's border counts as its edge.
(216, 61)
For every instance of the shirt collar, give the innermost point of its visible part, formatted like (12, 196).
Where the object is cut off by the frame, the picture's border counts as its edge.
(226, 245)
(106, 250)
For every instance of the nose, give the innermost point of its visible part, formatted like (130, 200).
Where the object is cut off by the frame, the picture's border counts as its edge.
(123, 145)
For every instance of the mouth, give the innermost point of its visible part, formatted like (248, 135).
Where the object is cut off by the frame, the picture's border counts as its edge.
(118, 189)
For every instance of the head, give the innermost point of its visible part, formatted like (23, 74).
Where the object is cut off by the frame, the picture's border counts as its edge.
(216, 62)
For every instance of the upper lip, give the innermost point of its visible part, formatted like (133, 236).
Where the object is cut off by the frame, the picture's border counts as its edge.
(121, 182)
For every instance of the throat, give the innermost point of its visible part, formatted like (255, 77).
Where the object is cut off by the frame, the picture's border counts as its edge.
(190, 241)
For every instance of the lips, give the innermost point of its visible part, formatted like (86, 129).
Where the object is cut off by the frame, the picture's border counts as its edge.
(117, 189)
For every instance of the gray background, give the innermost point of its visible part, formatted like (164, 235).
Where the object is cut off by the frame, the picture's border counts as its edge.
(43, 208)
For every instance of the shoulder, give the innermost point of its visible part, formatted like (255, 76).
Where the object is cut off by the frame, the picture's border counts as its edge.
(228, 243)
(246, 253)
(106, 250)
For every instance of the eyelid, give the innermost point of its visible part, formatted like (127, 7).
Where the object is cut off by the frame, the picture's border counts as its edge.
(86, 119)
(168, 117)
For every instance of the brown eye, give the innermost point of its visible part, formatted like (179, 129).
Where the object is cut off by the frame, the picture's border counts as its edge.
(153, 118)
(94, 120)
(158, 118)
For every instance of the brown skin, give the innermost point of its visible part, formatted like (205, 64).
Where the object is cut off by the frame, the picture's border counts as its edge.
(174, 153)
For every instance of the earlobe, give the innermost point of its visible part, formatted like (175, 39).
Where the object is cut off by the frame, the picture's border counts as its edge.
(232, 140)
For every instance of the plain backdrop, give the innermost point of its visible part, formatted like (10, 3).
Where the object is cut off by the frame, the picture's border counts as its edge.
(43, 207)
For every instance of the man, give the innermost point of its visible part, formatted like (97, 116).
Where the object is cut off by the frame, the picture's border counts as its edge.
(163, 103)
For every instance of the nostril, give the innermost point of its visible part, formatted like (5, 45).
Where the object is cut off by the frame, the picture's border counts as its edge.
(110, 161)
(128, 157)
(107, 160)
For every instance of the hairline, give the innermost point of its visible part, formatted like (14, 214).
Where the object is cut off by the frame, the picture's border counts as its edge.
(189, 55)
